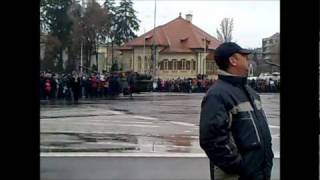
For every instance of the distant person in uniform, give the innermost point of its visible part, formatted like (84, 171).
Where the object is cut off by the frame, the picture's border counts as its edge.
(75, 86)
(234, 132)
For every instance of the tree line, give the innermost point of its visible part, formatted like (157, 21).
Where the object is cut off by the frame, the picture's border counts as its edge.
(71, 26)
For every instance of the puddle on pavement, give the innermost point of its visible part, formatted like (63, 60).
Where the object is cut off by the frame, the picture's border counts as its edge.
(98, 142)
(87, 142)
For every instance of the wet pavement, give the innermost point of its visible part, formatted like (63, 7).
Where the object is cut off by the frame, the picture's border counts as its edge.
(150, 122)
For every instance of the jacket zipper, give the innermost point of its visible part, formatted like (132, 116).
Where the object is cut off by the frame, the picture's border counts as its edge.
(255, 127)
(254, 109)
(230, 133)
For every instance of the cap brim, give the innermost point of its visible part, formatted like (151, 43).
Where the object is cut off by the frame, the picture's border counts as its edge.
(245, 51)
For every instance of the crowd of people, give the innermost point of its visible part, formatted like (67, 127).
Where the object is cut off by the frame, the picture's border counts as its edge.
(200, 85)
(73, 86)
(190, 85)
(265, 85)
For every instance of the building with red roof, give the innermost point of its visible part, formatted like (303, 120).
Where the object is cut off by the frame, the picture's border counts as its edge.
(182, 50)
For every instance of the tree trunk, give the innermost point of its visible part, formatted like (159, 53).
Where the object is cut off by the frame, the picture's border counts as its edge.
(86, 65)
(112, 52)
(60, 61)
(97, 62)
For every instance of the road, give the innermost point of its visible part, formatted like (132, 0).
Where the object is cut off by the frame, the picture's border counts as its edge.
(150, 122)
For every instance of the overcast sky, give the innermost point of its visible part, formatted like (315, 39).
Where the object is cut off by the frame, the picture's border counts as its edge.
(253, 19)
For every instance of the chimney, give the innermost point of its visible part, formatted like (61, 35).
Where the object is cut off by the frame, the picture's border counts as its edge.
(189, 17)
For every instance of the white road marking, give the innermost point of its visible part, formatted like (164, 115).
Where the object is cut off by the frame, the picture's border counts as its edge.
(182, 123)
(144, 117)
(132, 125)
(114, 112)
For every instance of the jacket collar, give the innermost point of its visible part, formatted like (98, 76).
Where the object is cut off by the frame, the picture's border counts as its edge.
(231, 78)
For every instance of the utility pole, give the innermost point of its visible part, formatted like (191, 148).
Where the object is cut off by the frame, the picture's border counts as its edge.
(81, 48)
(144, 51)
(204, 54)
(81, 58)
(203, 60)
(154, 47)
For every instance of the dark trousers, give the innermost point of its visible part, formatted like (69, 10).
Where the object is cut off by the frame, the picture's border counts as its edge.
(76, 92)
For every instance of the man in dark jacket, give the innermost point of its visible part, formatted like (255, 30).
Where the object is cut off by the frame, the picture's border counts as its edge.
(233, 127)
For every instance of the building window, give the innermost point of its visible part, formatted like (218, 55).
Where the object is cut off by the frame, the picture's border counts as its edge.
(179, 65)
(165, 64)
(194, 64)
(161, 65)
(170, 65)
(150, 63)
(209, 66)
(145, 64)
(139, 64)
(187, 65)
(183, 64)
(174, 64)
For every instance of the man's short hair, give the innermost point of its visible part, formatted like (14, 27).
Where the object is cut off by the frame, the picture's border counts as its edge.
(224, 51)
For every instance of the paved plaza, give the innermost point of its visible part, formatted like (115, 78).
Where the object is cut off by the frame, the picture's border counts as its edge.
(150, 122)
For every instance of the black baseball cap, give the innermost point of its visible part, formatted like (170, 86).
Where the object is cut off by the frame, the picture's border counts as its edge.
(227, 49)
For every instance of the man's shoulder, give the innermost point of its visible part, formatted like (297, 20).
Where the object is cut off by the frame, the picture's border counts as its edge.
(220, 86)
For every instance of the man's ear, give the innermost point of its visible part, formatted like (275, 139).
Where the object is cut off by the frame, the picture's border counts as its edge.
(232, 61)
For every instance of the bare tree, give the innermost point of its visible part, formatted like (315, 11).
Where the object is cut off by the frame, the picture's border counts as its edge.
(226, 28)
(52, 47)
(95, 27)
